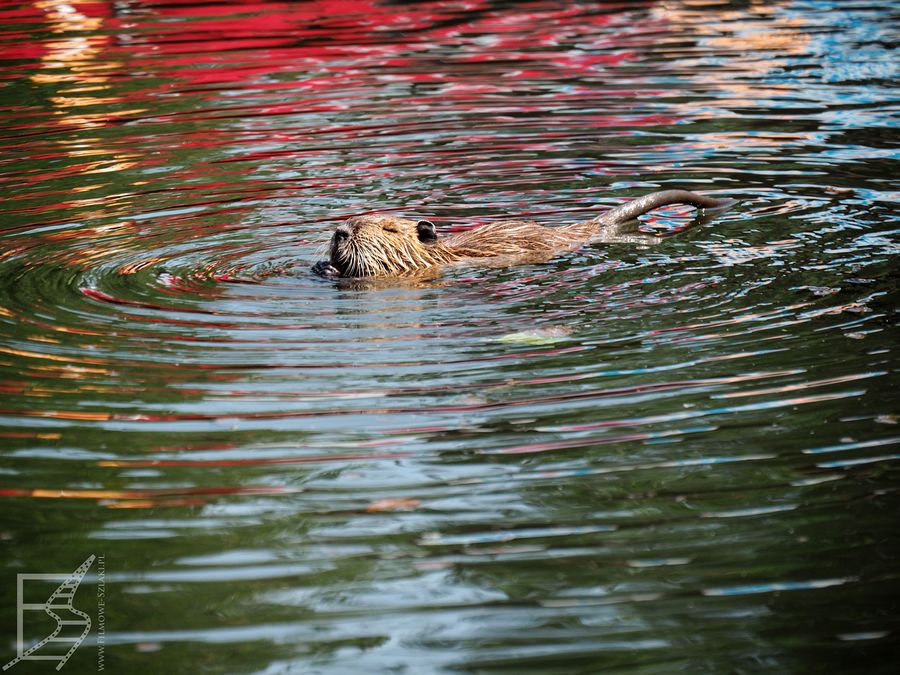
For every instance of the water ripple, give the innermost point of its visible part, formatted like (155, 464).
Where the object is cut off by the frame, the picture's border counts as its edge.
(671, 456)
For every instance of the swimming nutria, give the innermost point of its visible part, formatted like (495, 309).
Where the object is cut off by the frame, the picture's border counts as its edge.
(379, 246)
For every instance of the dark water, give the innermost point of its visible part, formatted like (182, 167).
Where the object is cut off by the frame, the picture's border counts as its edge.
(675, 458)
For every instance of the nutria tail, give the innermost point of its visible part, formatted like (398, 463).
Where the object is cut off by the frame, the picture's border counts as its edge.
(636, 207)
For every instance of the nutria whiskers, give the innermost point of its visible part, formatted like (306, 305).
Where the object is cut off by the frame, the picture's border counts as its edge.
(380, 246)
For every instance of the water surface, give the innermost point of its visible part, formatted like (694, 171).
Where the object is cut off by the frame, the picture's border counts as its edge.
(680, 457)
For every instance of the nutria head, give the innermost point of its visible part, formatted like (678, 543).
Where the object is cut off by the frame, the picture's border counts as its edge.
(369, 246)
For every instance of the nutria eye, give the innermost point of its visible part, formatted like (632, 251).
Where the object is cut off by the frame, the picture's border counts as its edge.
(425, 230)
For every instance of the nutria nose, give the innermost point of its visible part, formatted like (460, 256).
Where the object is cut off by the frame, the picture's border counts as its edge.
(342, 232)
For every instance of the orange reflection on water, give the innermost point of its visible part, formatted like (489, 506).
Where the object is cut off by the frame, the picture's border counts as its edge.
(78, 58)
(768, 391)
(743, 34)
(57, 414)
(145, 498)
(49, 357)
(761, 26)
(74, 54)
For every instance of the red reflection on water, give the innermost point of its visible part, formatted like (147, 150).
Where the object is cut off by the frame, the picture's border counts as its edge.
(242, 42)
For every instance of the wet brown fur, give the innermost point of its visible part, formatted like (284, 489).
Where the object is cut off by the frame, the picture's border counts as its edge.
(379, 245)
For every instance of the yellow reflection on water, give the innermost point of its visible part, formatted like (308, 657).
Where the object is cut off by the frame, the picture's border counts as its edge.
(78, 58)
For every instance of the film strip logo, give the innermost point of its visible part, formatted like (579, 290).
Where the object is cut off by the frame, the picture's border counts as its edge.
(59, 608)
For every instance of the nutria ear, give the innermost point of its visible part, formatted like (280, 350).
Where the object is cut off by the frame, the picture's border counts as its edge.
(427, 234)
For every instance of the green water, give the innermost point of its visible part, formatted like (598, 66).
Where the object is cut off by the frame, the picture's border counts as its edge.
(642, 459)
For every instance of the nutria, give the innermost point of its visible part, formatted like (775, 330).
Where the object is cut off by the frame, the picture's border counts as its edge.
(380, 246)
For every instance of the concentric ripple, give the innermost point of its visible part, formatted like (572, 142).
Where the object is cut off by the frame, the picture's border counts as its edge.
(676, 456)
